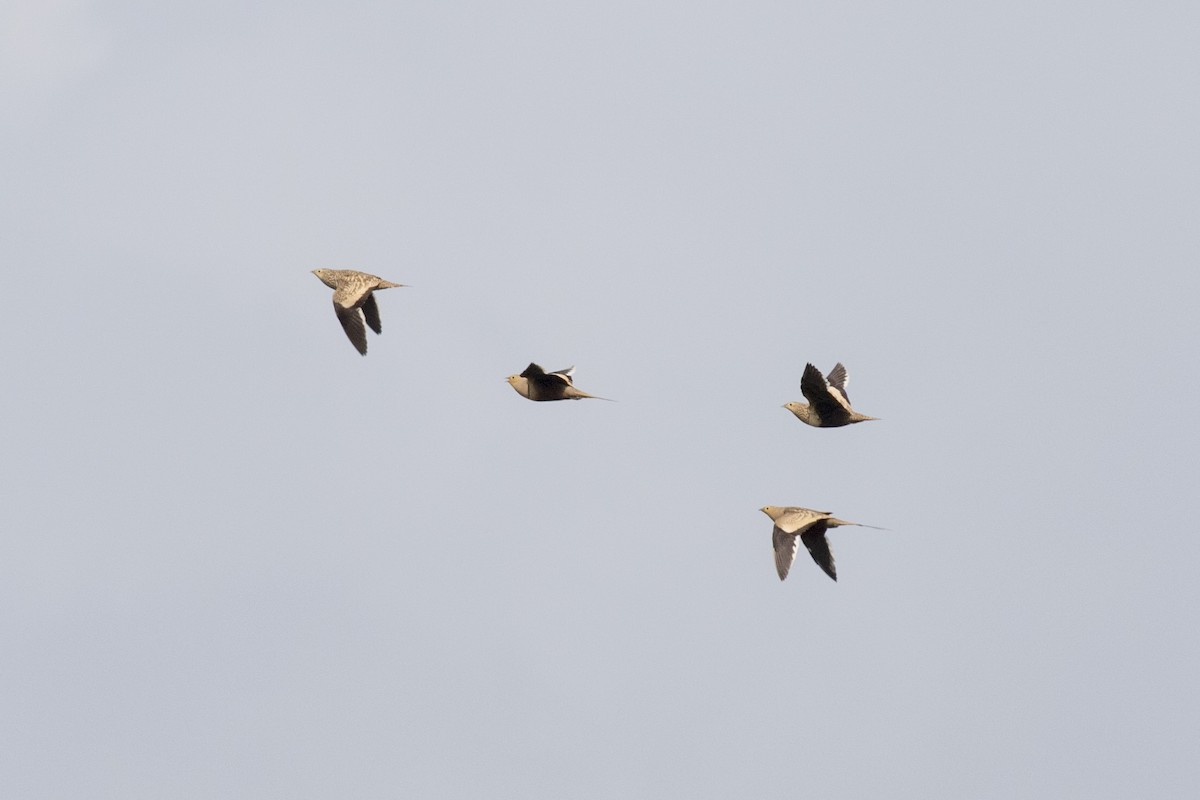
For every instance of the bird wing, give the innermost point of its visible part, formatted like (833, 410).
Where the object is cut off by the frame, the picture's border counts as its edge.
(539, 385)
(785, 550)
(838, 380)
(533, 372)
(564, 375)
(352, 324)
(818, 547)
(796, 520)
(827, 402)
(371, 313)
(352, 290)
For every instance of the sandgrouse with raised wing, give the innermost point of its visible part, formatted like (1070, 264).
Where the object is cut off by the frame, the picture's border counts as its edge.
(537, 384)
(828, 404)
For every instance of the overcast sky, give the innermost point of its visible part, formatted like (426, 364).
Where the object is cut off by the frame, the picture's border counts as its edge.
(238, 560)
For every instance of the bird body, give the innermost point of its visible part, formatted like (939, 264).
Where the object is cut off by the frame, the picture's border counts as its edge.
(537, 384)
(809, 526)
(354, 301)
(828, 404)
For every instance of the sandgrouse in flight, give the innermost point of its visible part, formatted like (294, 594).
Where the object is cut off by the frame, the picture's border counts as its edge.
(792, 522)
(828, 405)
(537, 384)
(354, 301)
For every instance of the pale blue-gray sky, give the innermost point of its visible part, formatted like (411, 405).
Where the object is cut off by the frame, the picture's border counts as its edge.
(239, 560)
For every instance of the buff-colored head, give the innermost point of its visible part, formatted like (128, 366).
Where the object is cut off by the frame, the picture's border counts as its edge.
(772, 511)
(803, 412)
(327, 277)
(521, 385)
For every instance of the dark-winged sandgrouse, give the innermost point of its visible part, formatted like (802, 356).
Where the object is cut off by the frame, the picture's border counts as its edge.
(828, 404)
(537, 384)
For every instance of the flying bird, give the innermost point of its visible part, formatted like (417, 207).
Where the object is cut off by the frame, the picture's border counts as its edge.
(537, 384)
(354, 301)
(828, 404)
(792, 522)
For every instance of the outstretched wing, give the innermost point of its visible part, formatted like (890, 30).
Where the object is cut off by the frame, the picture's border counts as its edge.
(828, 404)
(371, 313)
(838, 380)
(785, 550)
(352, 324)
(818, 547)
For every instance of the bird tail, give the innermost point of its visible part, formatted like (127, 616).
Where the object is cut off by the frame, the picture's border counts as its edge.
(576, 394)
(834, 522)
(390, 285)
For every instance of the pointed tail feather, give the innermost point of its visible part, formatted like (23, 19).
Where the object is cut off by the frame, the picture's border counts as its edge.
(834, 522)
(576, 394)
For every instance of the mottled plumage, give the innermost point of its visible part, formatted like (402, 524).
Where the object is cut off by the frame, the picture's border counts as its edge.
(354, 301)
(792, 523)
(537, 384)
(828, 404)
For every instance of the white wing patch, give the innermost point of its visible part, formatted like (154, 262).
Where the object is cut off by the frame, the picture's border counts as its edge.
(564, 375)
(836, 394)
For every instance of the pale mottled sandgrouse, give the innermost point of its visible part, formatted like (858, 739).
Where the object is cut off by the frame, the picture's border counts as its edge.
(354, 301)
(792, 522)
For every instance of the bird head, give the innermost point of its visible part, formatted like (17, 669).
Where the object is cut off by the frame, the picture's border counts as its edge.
(772, 511)
(801, 410)
(521, 385)
(326, 277)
